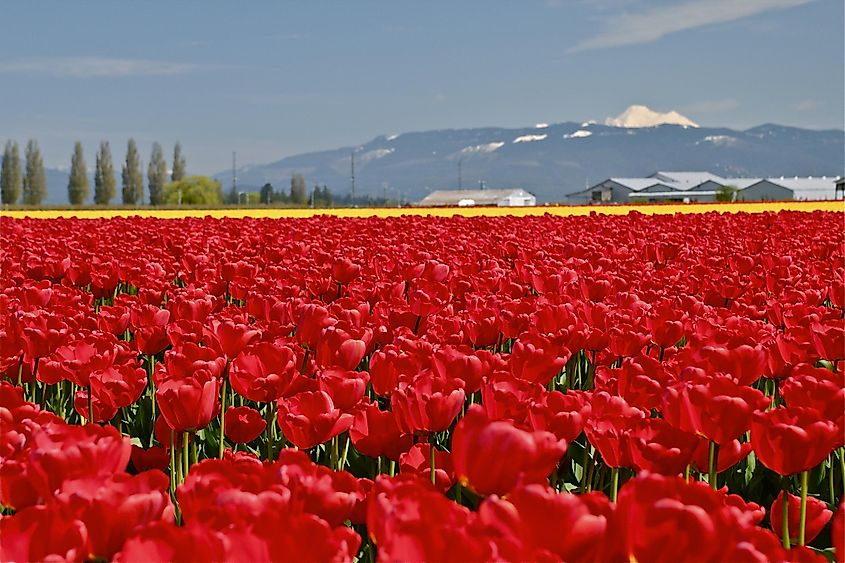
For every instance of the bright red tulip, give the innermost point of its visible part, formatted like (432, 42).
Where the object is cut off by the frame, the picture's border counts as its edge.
(311, 418)
(789, 440)
(818, 516)
(522, 457)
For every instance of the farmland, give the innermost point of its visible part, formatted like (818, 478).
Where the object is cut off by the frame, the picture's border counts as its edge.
(467, 385)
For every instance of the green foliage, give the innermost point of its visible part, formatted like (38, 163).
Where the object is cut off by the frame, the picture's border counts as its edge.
(10, 175)
(726, 193)
(298, 190)
(193, 190)
(322, 197)
(133, 180)
(77, 185)
(178, 171)
(266, 193)
(156, 175)
(34, 180)
(105, 185)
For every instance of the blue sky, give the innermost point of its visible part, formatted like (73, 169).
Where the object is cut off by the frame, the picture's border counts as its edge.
(271, 79)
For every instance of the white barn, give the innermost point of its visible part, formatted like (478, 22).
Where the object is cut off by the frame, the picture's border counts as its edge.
(469, 198)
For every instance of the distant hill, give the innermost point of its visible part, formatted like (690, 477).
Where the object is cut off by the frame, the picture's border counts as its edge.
(552, 160)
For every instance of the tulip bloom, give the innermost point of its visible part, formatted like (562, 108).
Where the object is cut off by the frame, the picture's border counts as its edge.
(243, 424)
(789, 440)
(491, 457)
(374, 433)
(310, 418)
(818, 516)
(428, 404)
(188, 404)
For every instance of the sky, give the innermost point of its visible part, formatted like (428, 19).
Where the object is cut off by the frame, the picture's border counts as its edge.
(273, 79)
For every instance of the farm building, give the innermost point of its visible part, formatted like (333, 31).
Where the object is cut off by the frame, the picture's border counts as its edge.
(704, 187)
(469, 198)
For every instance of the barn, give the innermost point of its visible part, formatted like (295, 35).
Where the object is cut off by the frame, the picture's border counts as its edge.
(469, 198)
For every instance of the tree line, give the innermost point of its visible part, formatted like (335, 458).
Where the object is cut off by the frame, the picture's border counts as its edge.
(25, 182)
(30, 183)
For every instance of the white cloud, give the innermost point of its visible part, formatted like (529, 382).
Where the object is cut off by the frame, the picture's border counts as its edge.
(807, 105)
(85, 67)
(632, 28)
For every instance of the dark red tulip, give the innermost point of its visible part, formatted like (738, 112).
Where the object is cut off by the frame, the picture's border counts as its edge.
(374, 433)
(818, 516)
(243, 424)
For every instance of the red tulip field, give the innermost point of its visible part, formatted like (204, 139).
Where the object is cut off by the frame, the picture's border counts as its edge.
(651, 388)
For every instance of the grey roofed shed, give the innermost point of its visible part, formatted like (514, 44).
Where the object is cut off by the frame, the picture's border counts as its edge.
(810, 188)
(504, 198)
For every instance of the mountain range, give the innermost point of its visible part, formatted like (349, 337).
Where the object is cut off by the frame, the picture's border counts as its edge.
(549, 160)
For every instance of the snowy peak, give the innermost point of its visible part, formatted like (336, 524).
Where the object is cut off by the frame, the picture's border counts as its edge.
(642, 116)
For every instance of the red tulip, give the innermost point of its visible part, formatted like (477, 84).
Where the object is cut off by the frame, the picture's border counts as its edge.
(243, 424)
(188, 404)
(374, 433)
(42, 533)
(148, 324)
(543, 522)
(523, 457)
(229, 337)
(155, 457)
(789, 440)
(346, 388)
(715, 407)
(310, 418)
(263, 372)
(428, 404)
(113, 508)
(417, 460)
(817, 516)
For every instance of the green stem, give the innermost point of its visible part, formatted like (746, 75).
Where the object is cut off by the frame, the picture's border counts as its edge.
(344, 454)
(803, 514)
(173, 467)
(831, 489)
(186, 460)
(785, 516)
(431, 460)
(90, 405)
(713, 460)
(392, 468)
(584, 460)
(614, 483)
(222, 446)
(178, 458)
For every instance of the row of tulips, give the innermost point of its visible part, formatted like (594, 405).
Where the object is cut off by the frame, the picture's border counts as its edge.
(597, 389)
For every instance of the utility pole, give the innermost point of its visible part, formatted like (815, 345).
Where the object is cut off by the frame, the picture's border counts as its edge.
(352, 176)
(481, 184)
(460, 174)
(234, 174)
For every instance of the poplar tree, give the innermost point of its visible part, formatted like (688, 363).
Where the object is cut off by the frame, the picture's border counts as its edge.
(105, 185)
(77, 185)
(156, 175)
(34, 180)
(298, 190)
(133, 179)
(10, 176)
(178, 171)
